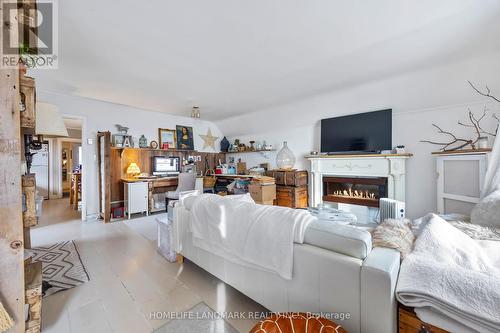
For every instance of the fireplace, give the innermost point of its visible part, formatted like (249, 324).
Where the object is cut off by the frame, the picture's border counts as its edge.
(391, 167)
(363, 191)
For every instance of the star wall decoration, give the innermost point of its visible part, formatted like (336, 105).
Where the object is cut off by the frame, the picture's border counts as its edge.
(209, 140)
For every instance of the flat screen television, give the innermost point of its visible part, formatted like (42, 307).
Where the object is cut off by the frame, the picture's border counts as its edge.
(363, 132)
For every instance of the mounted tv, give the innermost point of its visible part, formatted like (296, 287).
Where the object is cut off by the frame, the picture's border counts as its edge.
(358, 133)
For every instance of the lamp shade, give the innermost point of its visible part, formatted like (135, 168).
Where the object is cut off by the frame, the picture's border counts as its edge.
(133, 169)
(49, 122)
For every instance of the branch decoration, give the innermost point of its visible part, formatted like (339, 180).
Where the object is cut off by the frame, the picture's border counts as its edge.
(456, 143)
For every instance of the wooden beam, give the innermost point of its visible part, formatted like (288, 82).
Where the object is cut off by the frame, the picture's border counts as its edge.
(11, 221)
(104, 174)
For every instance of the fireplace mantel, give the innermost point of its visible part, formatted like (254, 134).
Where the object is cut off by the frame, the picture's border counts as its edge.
(392, 166)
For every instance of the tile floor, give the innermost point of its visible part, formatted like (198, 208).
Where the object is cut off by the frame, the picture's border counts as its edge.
(129, 279)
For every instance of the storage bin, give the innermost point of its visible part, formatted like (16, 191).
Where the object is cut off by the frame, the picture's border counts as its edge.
(165, 238)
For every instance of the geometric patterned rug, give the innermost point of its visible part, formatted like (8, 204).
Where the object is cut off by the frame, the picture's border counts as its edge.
(62, 267)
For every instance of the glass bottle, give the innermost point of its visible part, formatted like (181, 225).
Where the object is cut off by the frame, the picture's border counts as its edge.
(285, 158)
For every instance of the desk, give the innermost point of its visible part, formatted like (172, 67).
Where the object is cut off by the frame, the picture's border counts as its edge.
(155, 186)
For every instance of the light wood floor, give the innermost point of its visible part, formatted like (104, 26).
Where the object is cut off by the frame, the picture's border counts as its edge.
(129, 279)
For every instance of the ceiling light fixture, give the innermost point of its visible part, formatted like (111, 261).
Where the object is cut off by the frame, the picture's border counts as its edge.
(195, 112)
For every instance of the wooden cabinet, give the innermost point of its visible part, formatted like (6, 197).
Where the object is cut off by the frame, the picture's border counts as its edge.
(409, 323)
(113, 163)
(289, 178)
(136, 197)
(291, 196)
(27, 102)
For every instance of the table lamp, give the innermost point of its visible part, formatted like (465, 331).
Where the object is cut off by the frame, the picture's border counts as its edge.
(133, 170)
(49, 122)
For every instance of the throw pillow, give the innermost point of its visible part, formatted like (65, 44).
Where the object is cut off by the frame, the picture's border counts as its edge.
(487, 211)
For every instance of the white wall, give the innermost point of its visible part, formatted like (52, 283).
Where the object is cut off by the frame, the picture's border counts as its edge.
(441, 95)
(102, 116)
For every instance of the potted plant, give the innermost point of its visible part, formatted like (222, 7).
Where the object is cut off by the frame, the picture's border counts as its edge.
(27, 58)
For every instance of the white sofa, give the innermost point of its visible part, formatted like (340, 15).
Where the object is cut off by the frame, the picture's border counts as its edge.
(334, 271)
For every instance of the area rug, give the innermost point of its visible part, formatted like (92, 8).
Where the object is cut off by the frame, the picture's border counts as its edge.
(200, 318)
(62, 267)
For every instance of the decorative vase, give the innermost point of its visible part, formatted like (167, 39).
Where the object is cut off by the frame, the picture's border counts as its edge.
(224, 144)
(22, 68)
(482, 142)
(285, 158)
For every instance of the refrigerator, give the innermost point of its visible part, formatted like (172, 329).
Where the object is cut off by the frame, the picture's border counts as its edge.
(40, 167)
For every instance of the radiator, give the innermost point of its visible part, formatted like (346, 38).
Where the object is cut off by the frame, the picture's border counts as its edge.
(391, 209)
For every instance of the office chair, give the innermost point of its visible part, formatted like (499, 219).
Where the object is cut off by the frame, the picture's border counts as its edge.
(187, 182)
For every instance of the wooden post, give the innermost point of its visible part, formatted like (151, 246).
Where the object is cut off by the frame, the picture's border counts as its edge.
(104, 173)
(11, 220)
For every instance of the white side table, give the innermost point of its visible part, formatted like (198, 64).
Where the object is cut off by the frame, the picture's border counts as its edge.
(136, 197)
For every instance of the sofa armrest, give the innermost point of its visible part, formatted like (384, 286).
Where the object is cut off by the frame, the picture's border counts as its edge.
(180, 226)
(343, 239)
(379, 274)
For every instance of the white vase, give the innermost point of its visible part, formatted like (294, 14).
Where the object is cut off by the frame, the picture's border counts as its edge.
(285, 158)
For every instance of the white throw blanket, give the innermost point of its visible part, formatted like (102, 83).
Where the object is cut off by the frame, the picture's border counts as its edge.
(247, 233)
(452, 280)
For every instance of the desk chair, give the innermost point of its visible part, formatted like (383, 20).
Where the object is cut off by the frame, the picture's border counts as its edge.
(187, 182)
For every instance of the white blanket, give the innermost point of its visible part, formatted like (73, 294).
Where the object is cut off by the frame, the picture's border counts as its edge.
(452, 280)
(247, 233)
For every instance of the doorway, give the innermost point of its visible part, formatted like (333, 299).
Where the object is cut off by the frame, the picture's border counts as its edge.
(65, 173)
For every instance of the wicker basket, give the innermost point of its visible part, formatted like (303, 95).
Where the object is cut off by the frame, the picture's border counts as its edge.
(209, 179)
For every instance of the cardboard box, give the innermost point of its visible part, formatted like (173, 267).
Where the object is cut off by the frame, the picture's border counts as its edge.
(262, 193)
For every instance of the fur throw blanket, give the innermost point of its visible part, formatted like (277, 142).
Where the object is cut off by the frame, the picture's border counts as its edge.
(395, 234)
(400, 234)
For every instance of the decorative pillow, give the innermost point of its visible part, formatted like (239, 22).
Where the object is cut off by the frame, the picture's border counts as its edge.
(395, 234)
(487, 211)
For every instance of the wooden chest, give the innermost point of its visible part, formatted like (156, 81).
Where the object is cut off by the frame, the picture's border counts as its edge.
(291, 196)
(289, 178)
(408, 322)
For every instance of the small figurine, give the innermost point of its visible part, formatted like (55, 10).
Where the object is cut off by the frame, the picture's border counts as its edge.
(224, 144)
(121, 129)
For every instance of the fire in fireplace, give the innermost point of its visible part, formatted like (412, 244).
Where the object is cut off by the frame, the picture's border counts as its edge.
(364, 191)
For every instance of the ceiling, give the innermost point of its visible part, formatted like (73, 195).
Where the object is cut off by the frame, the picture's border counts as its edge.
(232, 57)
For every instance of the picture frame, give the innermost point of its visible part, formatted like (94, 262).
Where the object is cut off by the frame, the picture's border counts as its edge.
(185, 139)
(167, 136)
